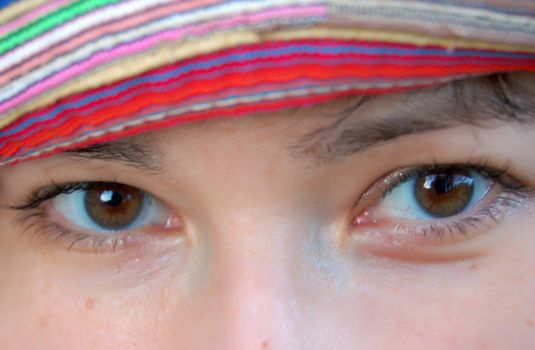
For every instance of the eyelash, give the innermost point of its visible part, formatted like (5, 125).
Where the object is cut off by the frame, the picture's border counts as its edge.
(37, 198)
(35, 218)
(512, 195)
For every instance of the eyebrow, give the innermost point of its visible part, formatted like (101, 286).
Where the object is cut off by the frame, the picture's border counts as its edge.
(135, 152)
(483, 102)
(479, 101)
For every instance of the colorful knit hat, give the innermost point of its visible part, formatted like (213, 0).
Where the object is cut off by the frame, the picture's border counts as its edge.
(74, 73)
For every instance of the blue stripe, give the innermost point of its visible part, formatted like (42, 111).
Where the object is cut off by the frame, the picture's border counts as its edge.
(4, 3)
(256, 94)
(205, 76)
(339, 49)
(259, 54)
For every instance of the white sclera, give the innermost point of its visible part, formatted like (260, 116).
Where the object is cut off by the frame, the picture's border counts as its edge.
(401, 202)
(72, 208)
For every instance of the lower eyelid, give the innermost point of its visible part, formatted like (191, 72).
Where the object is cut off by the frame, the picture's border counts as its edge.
(366, 230)
(39, 226)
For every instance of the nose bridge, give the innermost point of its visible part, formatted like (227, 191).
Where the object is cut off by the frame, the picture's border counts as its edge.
(253, 290)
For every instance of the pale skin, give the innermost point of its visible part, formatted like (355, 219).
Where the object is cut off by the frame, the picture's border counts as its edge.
(263, 251)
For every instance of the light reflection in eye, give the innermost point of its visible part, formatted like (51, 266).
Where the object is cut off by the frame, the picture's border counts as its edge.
(98, 215)
(436, 203)
(440, 194)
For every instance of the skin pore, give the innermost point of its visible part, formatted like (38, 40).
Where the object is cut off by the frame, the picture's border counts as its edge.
(256, 244)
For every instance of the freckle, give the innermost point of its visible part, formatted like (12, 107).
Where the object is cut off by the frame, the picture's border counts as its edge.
(530, 323)
(43, 322)
(473, 267)
(265, 344)
(90, 304)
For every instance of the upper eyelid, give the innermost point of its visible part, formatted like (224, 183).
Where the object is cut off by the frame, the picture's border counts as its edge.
(496, 174)
(35, 199)
(479, 218)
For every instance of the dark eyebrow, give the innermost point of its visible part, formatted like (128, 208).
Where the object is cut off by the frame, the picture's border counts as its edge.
(483, 102)
(134, 152)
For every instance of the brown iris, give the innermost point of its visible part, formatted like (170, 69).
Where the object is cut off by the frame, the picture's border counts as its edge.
(444, 192)
(113, 206)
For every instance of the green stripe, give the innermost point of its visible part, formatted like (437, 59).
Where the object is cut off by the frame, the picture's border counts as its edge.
(44, 24)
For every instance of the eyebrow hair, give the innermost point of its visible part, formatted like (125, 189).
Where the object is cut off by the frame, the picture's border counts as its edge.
(483, 102)
(134, 152)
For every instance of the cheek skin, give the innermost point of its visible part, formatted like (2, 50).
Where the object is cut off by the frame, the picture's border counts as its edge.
(478, 304)
(44, 308)
(481, 303)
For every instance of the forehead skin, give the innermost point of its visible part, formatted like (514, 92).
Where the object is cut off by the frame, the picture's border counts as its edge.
(357, 123)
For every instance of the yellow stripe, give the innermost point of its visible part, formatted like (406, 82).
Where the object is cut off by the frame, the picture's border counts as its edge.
(176, 51)
(134, 65)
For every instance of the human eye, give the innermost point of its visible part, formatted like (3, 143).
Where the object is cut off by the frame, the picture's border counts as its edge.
(437, 205)
(96, 216)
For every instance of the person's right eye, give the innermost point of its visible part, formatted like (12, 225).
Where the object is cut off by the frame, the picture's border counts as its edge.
(97, 215)
(107, 207)
(437, 205)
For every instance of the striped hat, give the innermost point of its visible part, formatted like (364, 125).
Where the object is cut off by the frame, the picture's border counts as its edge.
(74, 73)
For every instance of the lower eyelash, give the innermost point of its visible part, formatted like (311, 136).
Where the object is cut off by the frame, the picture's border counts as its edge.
(507, 200)
(37, 222)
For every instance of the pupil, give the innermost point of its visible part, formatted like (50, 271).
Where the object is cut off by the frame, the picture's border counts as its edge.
(441, 184)
(113, 206)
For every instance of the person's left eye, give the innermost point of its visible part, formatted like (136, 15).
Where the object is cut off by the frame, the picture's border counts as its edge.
(438, 193)
(436, 204)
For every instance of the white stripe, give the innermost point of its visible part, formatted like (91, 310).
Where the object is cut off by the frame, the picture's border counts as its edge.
(73, 28)
(127, 8)
(108, 42)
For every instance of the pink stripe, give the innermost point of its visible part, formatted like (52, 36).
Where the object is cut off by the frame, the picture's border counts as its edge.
(94, 33)
(145, 44)
(49, 6)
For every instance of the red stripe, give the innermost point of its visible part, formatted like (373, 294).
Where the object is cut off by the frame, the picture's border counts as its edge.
(272, 75)
(278, 77)
(236, 111)
(268, 75)
(276, 45)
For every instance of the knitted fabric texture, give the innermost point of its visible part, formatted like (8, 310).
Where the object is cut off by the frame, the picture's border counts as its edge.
(75, 73)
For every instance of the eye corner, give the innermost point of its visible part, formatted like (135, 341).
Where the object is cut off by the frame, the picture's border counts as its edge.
(392, 221)
(58, 213)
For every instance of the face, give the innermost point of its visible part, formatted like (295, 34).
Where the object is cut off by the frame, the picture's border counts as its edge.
(383, 222)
